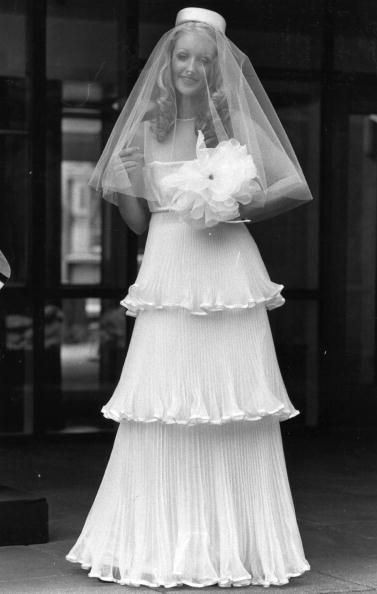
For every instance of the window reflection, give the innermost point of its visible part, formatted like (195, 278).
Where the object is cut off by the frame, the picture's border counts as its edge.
(16, 370)
(81, 226)
(81, 209)
(80, 345)
(85, 339)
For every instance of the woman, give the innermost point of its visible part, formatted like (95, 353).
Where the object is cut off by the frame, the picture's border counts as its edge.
(196, 490)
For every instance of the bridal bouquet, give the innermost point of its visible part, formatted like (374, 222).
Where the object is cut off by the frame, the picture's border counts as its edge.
(208, 189)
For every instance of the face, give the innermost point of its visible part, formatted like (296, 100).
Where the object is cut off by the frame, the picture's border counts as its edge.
(192, 58)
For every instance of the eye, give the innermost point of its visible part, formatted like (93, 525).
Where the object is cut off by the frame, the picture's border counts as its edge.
(205, 60)
(181, 56)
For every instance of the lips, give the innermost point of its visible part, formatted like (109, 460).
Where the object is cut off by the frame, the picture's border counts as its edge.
(189, 80)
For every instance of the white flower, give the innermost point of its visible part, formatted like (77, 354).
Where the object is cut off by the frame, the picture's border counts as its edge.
(207, 190)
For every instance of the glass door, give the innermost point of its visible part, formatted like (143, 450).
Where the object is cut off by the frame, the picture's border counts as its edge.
(361, 272)
(289, 245)
(89, 251)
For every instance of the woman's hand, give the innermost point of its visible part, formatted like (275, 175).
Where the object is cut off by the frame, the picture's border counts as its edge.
(131, 158)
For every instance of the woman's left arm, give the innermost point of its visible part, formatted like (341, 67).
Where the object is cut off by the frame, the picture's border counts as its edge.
(286, 187)
(273, 207)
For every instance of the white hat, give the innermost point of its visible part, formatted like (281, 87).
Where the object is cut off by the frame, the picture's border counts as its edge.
(202, 15)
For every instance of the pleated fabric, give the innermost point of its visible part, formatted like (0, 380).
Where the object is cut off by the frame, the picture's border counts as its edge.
(196, 505)
(196, 490)
(201, 271)
(210, 369)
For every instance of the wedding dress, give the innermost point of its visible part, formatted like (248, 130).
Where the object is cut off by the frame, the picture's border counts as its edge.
(196, 489)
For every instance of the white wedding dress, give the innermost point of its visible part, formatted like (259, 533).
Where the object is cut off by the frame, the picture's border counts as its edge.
(196, 489)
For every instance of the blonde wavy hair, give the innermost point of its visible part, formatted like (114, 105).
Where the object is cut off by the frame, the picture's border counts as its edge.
(165, 99)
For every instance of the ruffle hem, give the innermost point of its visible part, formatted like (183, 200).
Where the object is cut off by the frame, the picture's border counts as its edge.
(191, 370)
(202, 507)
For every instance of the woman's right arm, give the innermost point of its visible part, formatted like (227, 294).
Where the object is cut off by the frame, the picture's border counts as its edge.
(134, 212)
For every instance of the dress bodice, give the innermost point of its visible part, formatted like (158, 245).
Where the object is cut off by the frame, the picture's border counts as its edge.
(199, 270)
(162, 158)
(154, 172)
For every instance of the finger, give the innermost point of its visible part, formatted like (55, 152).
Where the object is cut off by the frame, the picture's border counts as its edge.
(131, 164)
(130, 149)
(133, 168)
(125, 170)
(128, 166)
(136, 162)
(127, 161)
(131, 156)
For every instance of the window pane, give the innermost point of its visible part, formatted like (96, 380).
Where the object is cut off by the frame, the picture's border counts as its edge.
(81, 207)
(15, 219)
(85, 339)
(13, 138)
(295, 332)
(82, 41)
(271, 34)
(12, 104)
(82, 66)
(289, 243)
(355, 36)
(362, 253)
(277, 36)
(16, 365)
(12, 38)
(12, 66)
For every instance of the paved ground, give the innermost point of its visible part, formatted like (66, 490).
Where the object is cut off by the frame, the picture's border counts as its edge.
(333, 476)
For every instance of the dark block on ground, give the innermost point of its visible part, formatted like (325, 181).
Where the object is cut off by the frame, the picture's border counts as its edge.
(23, 518)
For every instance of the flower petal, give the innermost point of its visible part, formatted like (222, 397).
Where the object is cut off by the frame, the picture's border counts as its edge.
(207, 189)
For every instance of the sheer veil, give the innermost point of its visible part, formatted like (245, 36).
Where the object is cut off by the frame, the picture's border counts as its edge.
(232, 105)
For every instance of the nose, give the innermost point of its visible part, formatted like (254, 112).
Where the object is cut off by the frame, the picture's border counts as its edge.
(190, 65)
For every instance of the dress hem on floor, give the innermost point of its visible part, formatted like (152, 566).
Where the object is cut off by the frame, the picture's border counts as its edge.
(221, 582)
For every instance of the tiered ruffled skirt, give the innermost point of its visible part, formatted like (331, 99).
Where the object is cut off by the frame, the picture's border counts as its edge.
(196, 490)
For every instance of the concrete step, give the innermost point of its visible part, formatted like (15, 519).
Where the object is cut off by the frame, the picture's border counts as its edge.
(23, 517)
